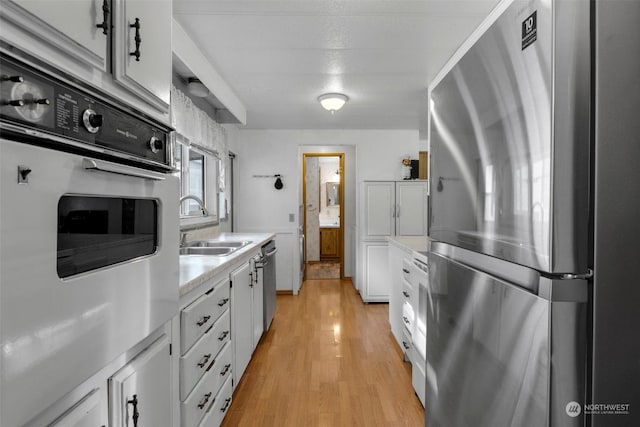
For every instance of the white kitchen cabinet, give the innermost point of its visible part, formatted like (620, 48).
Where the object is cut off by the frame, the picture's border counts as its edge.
(246, 314)
(70, 26)
(140, 392)
(241, 320)
(247, 322)
(257, 300)
(142, 49)
(205, 361)
(87, 412)
(396, 297)
(389, 208)
(394, 209)
(376, 272)
(70, 34)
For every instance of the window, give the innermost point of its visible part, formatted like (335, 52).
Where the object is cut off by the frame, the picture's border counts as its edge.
(198, 178)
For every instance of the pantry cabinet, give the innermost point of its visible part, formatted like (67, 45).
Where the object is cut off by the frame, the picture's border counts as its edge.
(122, 47)
(389, 208)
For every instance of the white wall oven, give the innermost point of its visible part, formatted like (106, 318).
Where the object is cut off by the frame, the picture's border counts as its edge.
(89, 235)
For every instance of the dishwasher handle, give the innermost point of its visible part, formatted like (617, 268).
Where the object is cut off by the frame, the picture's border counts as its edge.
(271, 253)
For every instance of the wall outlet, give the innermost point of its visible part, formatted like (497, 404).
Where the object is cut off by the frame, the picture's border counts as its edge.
(292, 217)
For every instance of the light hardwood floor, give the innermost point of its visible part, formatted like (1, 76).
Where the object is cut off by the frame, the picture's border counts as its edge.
(327, 360)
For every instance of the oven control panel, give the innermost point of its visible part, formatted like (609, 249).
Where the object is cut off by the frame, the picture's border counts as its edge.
(37, 102)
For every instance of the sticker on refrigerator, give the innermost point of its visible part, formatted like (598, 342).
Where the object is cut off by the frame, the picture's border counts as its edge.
(529, 30)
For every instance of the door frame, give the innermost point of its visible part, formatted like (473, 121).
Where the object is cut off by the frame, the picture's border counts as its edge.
(342, 203)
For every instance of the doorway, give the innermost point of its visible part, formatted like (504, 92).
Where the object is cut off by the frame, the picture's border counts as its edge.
(323, 200)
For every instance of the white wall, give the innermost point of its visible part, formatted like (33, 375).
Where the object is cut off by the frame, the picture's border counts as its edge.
(260, 207)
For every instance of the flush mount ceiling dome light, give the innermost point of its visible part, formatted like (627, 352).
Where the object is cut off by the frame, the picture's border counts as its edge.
(333, 101)
(196, 87)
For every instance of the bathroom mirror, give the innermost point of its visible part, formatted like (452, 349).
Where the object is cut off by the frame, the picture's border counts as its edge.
(333, 194)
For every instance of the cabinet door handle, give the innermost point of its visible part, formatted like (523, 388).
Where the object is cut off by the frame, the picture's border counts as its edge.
(406, 271)
(204, 360)
(225, 370)
(137, 38)
(204, 320)
(405, 293)
(227, 401)
(223, 302)
(223, 335)
(105, 18)
(405, 345)
(406, 320)
(134, 402)
(204, 400)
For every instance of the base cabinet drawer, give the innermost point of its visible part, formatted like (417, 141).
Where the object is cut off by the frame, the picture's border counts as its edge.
(195, 406)
(220, 406)
(198, 316)
(202, 396)
(199, 358)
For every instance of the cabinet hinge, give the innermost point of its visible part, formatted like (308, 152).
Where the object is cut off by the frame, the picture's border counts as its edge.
(170, 349)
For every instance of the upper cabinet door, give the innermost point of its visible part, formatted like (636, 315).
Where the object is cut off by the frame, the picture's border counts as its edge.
(379, 209)
(142, 49)
(71, 26)
(411, 209)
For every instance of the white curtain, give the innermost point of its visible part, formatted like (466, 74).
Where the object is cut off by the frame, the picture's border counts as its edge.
(196, 128)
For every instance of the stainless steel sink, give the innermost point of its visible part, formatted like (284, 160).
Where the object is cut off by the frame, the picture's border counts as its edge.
(217, 244)
(190, 250)
(212, 247)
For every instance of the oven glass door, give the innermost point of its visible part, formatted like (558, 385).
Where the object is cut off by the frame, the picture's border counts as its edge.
(95, 232)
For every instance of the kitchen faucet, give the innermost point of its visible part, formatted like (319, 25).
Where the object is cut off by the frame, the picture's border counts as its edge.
(197, 200)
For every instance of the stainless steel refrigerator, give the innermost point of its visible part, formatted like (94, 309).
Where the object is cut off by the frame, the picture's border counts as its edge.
(533, 309)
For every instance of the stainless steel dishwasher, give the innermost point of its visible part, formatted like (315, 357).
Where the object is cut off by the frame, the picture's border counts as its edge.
(268, 265)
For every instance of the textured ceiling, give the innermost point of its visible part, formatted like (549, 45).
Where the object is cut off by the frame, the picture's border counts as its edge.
(279, 56)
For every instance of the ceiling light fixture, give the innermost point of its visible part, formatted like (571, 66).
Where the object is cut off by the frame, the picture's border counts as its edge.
(196, 87)
(333, 101)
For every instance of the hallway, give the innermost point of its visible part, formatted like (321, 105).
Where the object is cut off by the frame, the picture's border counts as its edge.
(328, 360)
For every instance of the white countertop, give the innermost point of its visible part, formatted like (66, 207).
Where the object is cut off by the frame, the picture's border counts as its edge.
(419, 245)
(197, 269)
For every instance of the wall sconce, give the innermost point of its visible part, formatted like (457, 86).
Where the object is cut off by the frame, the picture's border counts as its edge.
(333, 101)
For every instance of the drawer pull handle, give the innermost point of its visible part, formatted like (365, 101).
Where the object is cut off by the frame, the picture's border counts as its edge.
(406, 271)
(204, 401)
(225, 370)
(406, 294)
(405, 345)
(223, 335)
(204, 360)
(227, 401)
(223, 302)
(204, 320)
(406, 320)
